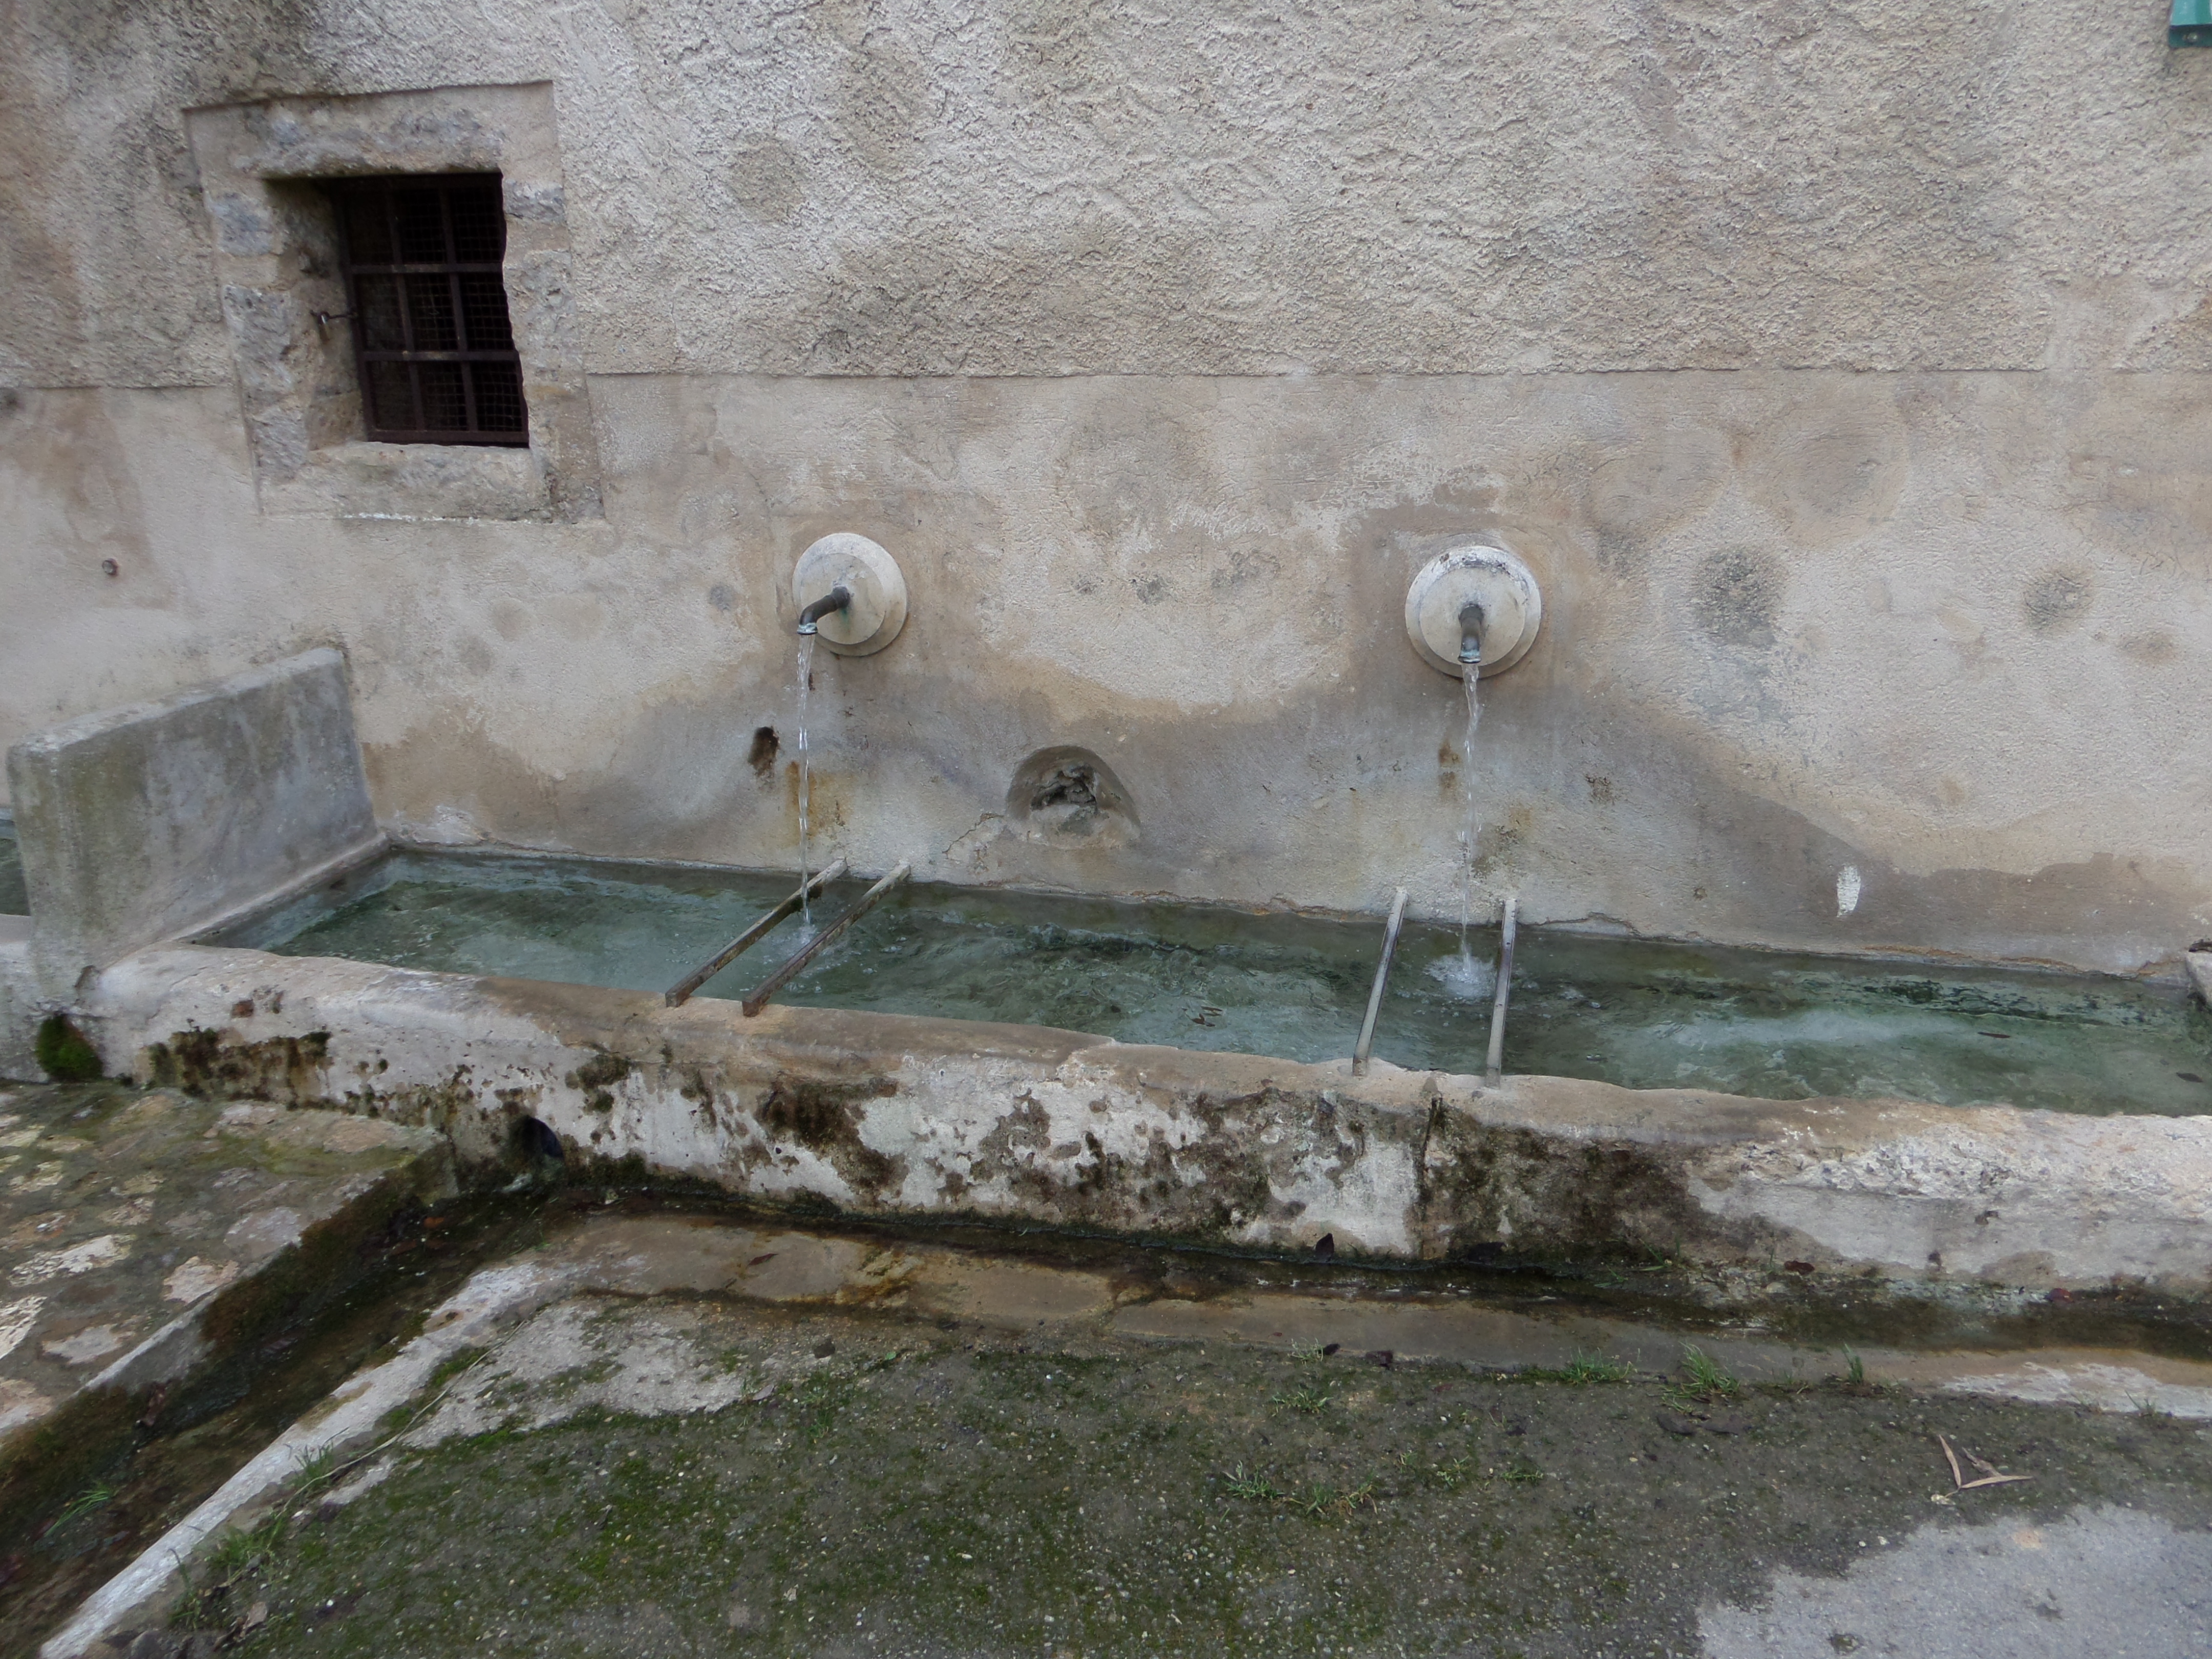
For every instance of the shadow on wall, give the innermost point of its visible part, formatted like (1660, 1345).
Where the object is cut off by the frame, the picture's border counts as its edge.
(1067, 796)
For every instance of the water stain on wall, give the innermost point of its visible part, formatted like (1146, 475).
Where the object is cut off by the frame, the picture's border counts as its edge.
(1665, 479)
(1831, 471)
(2056, 600)
(1735, 596)
(760, 756)
(2156, 647)
(769, 180)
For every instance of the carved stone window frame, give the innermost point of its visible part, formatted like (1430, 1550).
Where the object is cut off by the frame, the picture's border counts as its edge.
(262, 167)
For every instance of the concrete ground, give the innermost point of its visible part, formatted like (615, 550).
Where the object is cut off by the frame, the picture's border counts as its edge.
(734, 1441)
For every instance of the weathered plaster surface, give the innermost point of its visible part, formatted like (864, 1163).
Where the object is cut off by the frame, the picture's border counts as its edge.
(1857, 453)
(877, 1113)
(1795, 625)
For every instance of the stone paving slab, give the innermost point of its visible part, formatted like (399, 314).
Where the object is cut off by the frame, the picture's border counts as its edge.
(145, 1235)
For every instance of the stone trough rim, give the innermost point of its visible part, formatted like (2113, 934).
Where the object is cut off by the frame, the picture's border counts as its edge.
(1401, 1163)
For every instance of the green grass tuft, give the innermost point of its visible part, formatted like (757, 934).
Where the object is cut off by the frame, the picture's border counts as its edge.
(98, 1496)
(1242, 1485)
(1704, 1381)
(1321, 1499)
(1583, 1368)
(1453, 1476)
(238, 1554)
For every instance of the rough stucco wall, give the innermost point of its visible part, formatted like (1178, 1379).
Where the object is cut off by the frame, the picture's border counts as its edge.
(1381, 270)
(1043, 186)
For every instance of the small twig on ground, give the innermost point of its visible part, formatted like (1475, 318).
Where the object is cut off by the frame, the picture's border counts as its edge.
(1990, 1475)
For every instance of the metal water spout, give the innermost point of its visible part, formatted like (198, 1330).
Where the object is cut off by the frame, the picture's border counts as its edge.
(1474, 609)
(837, 598)
(1470, 635)
(850, 590)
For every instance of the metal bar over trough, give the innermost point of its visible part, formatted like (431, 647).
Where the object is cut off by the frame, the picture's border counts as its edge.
(1382, 978)
(822, 941)
(680, 993)
(1496, 1064)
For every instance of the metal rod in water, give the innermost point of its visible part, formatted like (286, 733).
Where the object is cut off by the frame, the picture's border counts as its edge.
(1382, 978)
(1496, 1064)
(680, 993)
(814, 947)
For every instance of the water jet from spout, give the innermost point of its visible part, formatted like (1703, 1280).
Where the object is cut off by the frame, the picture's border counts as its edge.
(806, 767)
(1467, 835)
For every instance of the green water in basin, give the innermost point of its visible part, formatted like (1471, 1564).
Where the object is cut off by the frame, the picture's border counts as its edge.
(1646, 1015)
(14, 899)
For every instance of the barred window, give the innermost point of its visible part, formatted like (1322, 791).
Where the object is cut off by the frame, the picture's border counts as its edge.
(431, 336)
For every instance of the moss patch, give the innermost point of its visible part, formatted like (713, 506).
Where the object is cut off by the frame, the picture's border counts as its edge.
(63, 1053)
(597, 1077)
(217, 1065)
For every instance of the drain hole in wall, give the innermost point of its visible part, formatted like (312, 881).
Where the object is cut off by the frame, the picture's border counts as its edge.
(1067, 796)
(762, 755)
(537, 1143)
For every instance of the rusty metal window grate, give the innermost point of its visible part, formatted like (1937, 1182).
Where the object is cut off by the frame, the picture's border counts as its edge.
(431, 336)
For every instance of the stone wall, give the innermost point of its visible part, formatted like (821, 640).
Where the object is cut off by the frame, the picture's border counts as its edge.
(1839, 369)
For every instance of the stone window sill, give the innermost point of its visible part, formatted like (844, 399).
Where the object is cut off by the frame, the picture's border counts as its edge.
(367, 480)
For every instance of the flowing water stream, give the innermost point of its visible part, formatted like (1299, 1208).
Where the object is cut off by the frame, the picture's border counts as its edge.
(1472, 681)
(1466, 976)
(805, 782)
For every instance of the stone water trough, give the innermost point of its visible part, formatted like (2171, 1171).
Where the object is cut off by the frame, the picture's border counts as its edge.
(144, 828)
